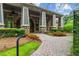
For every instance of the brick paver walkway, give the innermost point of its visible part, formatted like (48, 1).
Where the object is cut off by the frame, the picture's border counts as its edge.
(54, 46)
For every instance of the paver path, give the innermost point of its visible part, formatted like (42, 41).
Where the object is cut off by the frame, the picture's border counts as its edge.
(54, 46)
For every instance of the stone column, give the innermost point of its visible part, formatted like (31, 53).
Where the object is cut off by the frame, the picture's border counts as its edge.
(25, 19)
(43, 22)
(54, 21)
(62, 22)
(1, 16)
(57, 23)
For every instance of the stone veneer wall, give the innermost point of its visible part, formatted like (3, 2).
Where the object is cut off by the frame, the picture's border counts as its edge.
(43, 29)
(1, 26)
(27, 29)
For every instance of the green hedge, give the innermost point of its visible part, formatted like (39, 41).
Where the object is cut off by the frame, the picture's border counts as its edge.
(55, 30)
(75, 49)
(11, 32)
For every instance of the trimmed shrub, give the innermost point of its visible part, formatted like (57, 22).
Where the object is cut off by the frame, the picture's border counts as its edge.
(58, 33)
(55, 30)
(11, 32)
(75, 48)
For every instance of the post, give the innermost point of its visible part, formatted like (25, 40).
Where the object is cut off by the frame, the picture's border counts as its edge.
(1, 16)
(25, 19)
(54, 21)
(62, 22)
(17, 44)
(43, 22)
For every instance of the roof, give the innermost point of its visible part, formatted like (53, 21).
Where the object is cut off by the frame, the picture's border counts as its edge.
(35, 8)
(51, 12)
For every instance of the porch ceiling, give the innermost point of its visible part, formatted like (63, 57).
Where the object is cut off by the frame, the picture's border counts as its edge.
(34, 9)
(11, 8)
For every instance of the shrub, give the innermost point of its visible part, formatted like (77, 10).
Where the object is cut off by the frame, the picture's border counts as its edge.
(11, 32)
(58, 33)
(69, 26)
(55, 30)
(75, 47)
(33, 37)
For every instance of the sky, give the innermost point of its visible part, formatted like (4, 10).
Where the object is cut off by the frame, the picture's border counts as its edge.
(63, 8)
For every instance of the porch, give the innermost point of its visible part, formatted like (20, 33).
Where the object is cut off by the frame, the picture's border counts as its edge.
(33, 20)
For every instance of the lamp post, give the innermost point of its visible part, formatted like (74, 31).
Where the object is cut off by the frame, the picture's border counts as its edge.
(17, 44)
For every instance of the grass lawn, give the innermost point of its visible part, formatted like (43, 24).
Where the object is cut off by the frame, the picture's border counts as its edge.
(25, 49)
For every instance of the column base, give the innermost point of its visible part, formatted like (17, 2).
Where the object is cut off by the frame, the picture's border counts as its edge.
(27, 29)
(60, 27)
(43, 29)
(53, 27)
(1, 25)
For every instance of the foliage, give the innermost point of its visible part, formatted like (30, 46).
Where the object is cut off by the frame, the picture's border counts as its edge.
(67, 18)
(25, 50)
(11, 32)
(33, 37)
(68, 22)
(76, 34)
(55, 30)
(68, 26)
(58, 33)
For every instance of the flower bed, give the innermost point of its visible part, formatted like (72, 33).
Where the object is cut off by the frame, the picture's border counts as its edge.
(10, 42)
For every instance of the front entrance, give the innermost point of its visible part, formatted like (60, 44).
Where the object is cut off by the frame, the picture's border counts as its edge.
(34, 25)
(12, 16)
(11, 20)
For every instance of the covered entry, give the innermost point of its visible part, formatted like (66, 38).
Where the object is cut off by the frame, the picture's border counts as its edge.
(34, 21)
(34, 25)
(12, 16)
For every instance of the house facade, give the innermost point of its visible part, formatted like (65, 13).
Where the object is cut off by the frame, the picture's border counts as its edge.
(29, 17)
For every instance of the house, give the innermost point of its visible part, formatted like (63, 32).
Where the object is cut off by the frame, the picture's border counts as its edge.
(29, 17)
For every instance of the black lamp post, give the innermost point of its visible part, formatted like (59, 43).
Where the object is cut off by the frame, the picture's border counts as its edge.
(17, 44)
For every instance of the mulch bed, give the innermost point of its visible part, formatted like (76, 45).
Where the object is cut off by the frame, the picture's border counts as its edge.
(6, 43)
